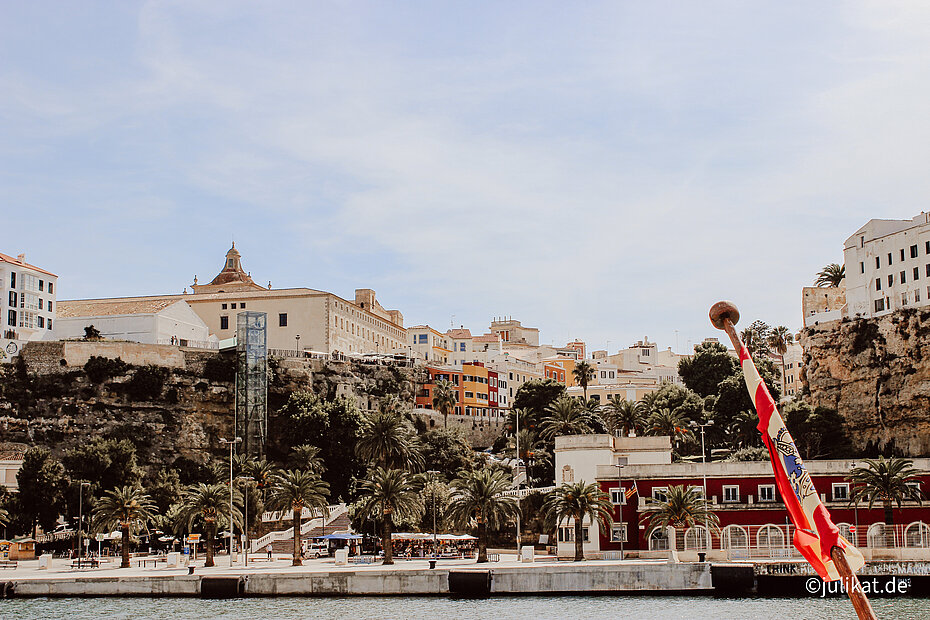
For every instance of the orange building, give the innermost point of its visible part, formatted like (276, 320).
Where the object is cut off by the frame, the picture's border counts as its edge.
(475, 387)
(560, 369)
(424, 397)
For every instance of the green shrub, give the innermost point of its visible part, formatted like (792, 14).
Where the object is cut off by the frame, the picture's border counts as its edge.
(220, 368)
(147, 383)
(100, 369)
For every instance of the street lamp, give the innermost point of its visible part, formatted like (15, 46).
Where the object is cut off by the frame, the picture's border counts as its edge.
(232, 444)
(433, 473)
(621, 461)
(703, 461)
(81, 520)
(245, 516)
(516, 415)
(297, 338)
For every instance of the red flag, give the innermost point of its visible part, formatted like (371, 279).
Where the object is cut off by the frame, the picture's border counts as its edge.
(815, 534)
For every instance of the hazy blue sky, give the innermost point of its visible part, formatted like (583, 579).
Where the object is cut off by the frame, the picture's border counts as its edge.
(598, 170)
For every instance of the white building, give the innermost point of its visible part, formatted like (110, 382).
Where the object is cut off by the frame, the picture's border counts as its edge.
(27, 304)
(155, 320)
(579, 457)
(888, 266)
(426, 345)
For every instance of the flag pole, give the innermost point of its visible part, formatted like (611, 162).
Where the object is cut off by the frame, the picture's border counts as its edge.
(724, 315)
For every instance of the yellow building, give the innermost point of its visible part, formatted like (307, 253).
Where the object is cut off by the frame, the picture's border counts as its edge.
(475, 388)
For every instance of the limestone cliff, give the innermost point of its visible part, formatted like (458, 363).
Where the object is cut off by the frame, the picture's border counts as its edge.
(876, 373)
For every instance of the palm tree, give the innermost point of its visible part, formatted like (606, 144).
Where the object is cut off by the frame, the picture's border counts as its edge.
(307, 457)
(209, 502)
(744, 431)
(477, 500)
(388, 440)
(667, 422)
(887, 481)
(295, 490)
(682, 506)
(123, 507)
(583, 373)
(779, 339)
(648, 403)
(565, 418)
(831, 276)
(389, 494)
(577, 501)
(444, 400)
(4, 516)
(625, 415)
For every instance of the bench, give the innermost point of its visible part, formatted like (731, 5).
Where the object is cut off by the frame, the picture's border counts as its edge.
(7, 563)
(154, 561)
(85, 563)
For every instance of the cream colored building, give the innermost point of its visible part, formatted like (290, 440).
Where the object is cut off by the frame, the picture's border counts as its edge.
(888, 266)
(28, 305)
(324, 322)
(426, 345)
(821, 304)
(150, 321)
(794, 363)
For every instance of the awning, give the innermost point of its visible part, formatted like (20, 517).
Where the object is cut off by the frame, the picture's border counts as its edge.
(339, 537)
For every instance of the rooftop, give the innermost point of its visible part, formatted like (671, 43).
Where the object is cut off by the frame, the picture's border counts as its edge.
(4, 258)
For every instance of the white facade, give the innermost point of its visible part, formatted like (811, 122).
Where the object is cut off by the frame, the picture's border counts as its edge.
(888, 266)
(159, 321)
(579, 457)
(427, 345)
(28, 304)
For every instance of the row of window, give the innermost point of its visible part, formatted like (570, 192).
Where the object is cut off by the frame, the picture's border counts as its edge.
(913, 254)
(618, 533)
(906, 298)
(29, 282)
(27, 319)
(234, 305)
(731, 493)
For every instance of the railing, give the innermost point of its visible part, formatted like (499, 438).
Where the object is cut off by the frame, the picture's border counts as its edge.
(53, 536)
(521, 493)
(190, 344)
(333, 513)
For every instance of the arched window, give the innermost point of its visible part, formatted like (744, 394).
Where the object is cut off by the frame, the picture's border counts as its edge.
(917, 534)
(734, 537)
(658, 540)
(880, 535)
(697, 538)
(770, 537)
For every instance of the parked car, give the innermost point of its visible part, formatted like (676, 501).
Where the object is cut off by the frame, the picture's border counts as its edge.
(318, 549)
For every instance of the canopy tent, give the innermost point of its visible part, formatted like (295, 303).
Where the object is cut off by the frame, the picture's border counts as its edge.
(339, 537)
(424, 536)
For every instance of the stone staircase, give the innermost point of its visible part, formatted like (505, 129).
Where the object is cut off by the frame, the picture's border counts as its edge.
(313, 523)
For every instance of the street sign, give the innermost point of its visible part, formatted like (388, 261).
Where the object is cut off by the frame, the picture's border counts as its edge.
(852, 529)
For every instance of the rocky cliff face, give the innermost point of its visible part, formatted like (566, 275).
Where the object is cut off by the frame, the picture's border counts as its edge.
(876, 373)
(168, 410)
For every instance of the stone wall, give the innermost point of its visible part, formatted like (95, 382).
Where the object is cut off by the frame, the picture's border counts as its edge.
(876, 374)
(51, 357)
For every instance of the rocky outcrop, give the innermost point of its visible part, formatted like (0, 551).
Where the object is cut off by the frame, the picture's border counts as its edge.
(876, 374)
(184, 406)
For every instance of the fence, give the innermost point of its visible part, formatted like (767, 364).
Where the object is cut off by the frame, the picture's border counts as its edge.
(774, 541)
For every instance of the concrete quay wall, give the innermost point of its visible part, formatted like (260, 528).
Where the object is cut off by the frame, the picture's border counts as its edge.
(561, 578)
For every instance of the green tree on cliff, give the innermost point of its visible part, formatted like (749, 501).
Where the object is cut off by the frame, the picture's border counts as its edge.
(831, 276)
(444, 400)
(42, 483)
(703, 371)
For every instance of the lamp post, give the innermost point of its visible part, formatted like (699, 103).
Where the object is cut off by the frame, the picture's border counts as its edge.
(516, 415)
(621, 461)
(433, 473)
(703, 461)
(245, 516)
(232, 444)
(297, 338)
(81, 520)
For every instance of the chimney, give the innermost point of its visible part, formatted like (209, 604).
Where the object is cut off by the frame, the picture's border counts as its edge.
(21, 258)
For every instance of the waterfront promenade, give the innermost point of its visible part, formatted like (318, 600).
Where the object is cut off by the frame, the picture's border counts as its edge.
(323, 578)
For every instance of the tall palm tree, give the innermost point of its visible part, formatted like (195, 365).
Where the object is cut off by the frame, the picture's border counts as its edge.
(831, 276)
(444, 393)
(779, 339)
(624, 415)
(667, 422)
(123, 507)
(565, 417)
(648, 403)
(477, 500)
(583, 373)
(387, 440)
(262, 472)
(682, 507)
(211, 503)
(577, 501)
(744, 431)
(295, 490)
(889, 481)
(389, 494)
(307, 457)
(4, 516)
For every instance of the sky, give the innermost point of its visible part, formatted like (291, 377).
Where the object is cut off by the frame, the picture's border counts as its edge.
(602, 171)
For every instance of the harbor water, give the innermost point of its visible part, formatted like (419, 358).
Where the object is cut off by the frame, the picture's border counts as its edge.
(499, 608)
